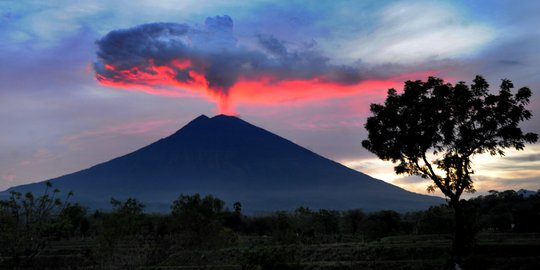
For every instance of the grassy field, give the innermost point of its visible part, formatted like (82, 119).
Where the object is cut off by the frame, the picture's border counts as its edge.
(490, 251)
(200, 234)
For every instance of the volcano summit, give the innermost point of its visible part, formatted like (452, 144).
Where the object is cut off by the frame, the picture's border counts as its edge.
(235, 161)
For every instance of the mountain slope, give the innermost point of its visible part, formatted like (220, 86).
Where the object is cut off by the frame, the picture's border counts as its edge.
(235, 161)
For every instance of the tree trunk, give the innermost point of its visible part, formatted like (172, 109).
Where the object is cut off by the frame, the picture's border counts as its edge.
(458, 245)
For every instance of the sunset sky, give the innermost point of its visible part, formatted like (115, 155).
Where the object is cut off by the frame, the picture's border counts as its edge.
(82, 82)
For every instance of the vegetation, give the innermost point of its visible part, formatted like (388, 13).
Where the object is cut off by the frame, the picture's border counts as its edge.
(199, 231)
(433, 129)
(29, 223)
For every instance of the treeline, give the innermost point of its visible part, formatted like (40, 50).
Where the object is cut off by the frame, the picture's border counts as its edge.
(129, 236)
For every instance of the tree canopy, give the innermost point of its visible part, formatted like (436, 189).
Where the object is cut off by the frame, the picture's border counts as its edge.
(28, 223)
(433, 129)
(436, 125)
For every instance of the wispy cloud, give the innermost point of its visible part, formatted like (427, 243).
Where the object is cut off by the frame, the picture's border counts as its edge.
(417, 32)
(127, 129)
(9, 177)
(516, 170)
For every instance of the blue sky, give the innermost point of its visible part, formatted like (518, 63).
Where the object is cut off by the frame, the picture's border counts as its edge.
(321, 63)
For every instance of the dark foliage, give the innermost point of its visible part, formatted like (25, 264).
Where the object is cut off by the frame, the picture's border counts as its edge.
(436, 125)
(453, 123)
(29, 223)
(128, 238)
(199, 222)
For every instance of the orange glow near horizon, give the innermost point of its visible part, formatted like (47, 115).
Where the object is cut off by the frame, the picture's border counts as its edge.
(162, 80)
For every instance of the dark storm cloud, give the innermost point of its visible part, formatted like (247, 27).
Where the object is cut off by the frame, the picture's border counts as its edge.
(132, 47)
(128, 55)
(272, 45)
(306, 63)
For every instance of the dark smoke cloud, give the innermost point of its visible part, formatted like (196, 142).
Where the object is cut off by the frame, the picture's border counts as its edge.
(213, 52)
(272, 45)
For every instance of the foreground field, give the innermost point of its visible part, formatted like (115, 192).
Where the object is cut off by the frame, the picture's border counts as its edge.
(502, 229)
(491, 251)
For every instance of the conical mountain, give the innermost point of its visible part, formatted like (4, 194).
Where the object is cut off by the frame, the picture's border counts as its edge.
(235, 161)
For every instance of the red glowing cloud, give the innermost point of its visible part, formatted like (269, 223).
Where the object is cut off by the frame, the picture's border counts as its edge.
(153, 79)
(178, 59)
(263, 92)
(162, 80)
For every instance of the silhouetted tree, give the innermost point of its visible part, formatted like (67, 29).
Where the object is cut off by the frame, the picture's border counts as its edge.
(305, 224)
(234, 220)
(237, 206)
(352, 220)
(122, 225)
(284, 228)
(126, 217)
(199, 221)
(433, 129)
(29, 223)
(259, 225)
(75, 216)
(436, 220)
(508, 211)
(381, 224)
(328, 221)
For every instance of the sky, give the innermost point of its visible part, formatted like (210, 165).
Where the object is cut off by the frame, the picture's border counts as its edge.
(83, 82)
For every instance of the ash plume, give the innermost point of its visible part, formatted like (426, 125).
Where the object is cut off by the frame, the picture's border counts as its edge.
(206, 58)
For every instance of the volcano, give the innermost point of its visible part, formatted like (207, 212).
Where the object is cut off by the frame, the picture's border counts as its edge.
(237, 162)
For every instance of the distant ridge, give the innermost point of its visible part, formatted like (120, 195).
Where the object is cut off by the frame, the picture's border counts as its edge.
(235, 161)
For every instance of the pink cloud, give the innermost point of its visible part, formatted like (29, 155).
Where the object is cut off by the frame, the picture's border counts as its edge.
(9, 177)
(134, 128)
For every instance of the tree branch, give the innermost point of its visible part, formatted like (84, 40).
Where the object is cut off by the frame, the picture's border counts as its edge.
(435, 177)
